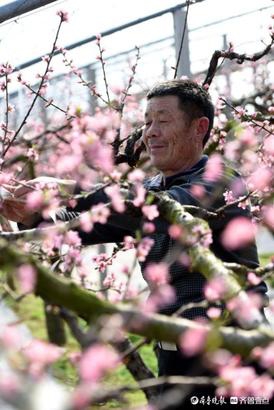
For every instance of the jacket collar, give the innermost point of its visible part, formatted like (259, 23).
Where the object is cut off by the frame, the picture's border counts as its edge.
(161, 182)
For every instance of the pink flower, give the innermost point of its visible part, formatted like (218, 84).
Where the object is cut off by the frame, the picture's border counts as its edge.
(96, 361)
(10, 385)
(68, 163)
(40, 354)
(214, 168)
(213, 313)
(238, 378)
(240, 112)
(215, 289)
(143, 248)
(115, 175)
(268, 216)
(137, 175)
(100, 156)
(81, 395)
(117, 201)
(6, 68)
(193, 340)
(101, 261)
(248, 137)
(157, 273)
(109, 280)
(238, 233)
(63, 15)
(269, 145)
(72, 238)
(10, 337)
(159, 297)
(260, 179)
(140, 195)
(86, 222)
(175, 231)
(5, 178)
(150, 212)
(27, 278)
(100, 213)
(245, 308)
(253, 279)
(232, 150)
(148, 227)
(35, 200)
(53, 240)
(229, 197)
(243, 381)
(129, 242)
(262, 386)
(265, 355)
(220, 358)
(198, 191)
(32, 154)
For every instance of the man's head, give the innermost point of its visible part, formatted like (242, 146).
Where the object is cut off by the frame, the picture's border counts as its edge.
(178, 121)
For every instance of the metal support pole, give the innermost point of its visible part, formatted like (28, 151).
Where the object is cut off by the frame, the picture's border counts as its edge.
(179, 20)
(16, 8)
(91, 77)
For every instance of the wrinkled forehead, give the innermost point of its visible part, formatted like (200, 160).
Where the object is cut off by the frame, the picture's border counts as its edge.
(167, 104)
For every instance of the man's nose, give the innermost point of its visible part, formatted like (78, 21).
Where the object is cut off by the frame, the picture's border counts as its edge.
(153, 130)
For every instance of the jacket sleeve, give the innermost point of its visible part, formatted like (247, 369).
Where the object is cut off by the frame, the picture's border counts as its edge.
(116, 228)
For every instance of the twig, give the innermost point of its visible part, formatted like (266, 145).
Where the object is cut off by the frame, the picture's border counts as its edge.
(38, 91)
(108, 394)
(73, 324)
(55, 131)
(61, 291)
(200, 212)
(7, 112)
(183, 308)
(100, 58)
(243, 270)
(221, 210)
(231, 55)
(129, 353)
(130, 82)
(78, 74)
(48, 102)
(116, 143)
(248, 117)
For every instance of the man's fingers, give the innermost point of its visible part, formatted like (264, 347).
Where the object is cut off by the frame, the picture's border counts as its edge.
(22, 191)
(9, 188)
(16, 202)
(14, 209)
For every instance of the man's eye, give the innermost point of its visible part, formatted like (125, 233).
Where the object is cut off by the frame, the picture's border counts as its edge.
(163, 121)
(148, 123)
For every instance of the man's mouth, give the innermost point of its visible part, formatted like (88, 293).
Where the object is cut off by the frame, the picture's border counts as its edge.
(156, 147)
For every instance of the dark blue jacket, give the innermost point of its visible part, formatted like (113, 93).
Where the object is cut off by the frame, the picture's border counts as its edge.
(188, 285)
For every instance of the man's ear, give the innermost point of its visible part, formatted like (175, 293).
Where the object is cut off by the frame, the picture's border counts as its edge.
(202, 125)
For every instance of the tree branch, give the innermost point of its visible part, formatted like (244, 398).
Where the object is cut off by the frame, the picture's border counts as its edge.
(202, 258)
(231, 55)
(63, 292)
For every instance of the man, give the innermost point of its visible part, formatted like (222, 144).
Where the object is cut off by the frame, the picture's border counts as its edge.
(178, 121)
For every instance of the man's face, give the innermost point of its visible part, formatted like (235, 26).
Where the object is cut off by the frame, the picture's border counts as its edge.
(173, 142)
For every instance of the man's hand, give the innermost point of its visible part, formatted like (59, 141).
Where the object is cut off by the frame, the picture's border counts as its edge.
(65, 185)
(11, 207)
(13, 199)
